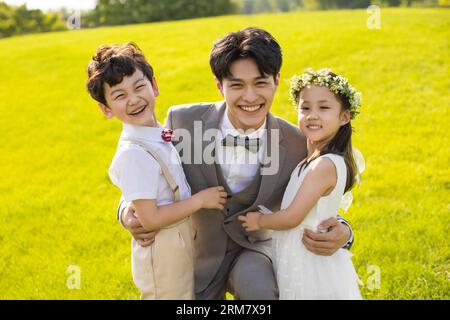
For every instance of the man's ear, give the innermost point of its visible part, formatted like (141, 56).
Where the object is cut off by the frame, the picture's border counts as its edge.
(155, 87)
(277, 79)
(345, 117)
(106, 110)
(219, 86)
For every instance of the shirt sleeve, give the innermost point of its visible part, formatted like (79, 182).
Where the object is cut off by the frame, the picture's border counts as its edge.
(350, 241)
(136, 173)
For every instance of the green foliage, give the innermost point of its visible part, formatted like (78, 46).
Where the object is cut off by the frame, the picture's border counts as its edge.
(58, 205)
(259, 6)
(352, 4)
(6, 20)
(20, 20)
(387, 3)
(406, 3)
(112, 12)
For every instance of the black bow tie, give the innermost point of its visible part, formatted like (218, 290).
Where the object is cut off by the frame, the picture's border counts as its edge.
(251, 145)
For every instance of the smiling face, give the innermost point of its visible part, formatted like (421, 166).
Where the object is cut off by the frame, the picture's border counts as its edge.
(320, 114)
(248, 94)
(132, 100)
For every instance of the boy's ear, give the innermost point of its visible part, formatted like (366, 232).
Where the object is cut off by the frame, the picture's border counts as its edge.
(155, 87)
(219, 86)
(345, 117)
(106, 110)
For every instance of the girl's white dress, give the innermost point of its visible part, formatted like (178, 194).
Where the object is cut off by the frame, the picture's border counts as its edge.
(300, 273)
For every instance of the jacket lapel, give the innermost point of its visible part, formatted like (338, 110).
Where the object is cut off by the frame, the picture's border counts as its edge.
(211, 120)
(269, 181)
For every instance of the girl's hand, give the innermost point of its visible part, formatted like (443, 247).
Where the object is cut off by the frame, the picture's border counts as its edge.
(250, 221)
(212, 198)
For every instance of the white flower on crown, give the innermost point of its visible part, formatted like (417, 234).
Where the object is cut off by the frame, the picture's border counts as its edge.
(322, 77)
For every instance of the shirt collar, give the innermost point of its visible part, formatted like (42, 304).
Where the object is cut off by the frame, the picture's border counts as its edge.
(143, 133)
(227, 128)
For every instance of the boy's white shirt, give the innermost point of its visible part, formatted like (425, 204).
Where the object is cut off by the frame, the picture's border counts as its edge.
(138, 175)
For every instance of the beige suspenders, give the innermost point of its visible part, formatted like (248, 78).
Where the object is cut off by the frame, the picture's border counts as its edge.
(166, 172)
(144, 275)
(173, 185)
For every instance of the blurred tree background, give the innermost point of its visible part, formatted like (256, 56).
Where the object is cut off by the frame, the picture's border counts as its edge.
(114, 12)
(20, 20)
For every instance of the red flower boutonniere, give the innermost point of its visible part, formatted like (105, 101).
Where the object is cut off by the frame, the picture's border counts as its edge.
(167, 135)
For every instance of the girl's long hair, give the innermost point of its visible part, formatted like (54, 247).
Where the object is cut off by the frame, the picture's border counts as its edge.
(341, 144)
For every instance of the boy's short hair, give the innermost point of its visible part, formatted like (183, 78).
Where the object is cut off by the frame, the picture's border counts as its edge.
(250, 42)
(113, 62)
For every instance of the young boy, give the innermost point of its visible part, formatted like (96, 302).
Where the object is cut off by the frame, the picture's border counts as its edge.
(148, 171)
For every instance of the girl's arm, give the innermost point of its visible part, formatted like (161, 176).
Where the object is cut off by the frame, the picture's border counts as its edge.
(319, 181)
(153, 217)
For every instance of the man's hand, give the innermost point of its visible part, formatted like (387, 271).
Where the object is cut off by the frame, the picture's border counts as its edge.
(142, 236)
(325, 244)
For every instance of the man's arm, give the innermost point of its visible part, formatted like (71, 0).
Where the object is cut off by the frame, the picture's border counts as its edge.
(129, 221)
(122, 205)
(337, 235)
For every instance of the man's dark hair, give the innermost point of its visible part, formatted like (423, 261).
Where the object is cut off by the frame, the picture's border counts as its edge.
(253, 43)
(111, 63)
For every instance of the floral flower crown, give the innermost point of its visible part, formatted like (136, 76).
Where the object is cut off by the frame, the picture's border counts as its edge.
(323, 77)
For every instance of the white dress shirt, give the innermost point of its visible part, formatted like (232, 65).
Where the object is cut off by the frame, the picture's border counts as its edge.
(240, 166)
(138, 175)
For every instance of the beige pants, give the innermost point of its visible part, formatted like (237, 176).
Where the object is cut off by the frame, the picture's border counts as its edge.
(165, 270)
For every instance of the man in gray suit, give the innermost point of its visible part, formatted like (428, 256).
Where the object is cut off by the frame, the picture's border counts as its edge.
(246, 66)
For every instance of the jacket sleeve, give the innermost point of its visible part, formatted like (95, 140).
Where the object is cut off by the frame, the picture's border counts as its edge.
(350, 241)
(168, 121)
(122, 205)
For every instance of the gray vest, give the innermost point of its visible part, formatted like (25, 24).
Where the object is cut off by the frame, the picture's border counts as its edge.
(242, 199)
(239, 200)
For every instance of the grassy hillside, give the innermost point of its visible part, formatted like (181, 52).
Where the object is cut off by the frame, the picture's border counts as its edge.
(58, 206)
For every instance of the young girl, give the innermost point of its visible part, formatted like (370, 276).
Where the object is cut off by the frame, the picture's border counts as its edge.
(326, 104)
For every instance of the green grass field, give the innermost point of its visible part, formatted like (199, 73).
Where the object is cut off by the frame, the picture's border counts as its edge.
(58, 205)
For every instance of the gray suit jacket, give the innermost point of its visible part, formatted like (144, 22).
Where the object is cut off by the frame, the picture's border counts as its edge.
(212, 227)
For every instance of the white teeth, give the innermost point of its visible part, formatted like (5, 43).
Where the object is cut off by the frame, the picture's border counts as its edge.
(138, 110)
(251, 108)
(314, 127)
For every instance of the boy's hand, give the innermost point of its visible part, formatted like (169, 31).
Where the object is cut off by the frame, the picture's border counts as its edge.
(250, 221)
(142, 236)
(212, 198)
